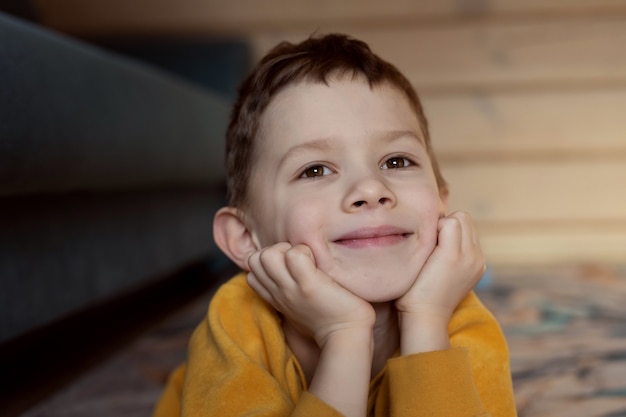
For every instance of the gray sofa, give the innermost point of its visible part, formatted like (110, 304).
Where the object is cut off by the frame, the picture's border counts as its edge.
(110, 171)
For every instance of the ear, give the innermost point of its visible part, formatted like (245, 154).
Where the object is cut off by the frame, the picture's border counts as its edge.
(444, 194)
(233, 237)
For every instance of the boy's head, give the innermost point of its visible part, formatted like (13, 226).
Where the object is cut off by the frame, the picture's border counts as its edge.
(328, 147)
(317, 59)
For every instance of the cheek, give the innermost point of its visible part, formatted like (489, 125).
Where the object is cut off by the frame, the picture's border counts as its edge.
(305, 223)
(277, 215)
(429, 210)
(296, 219)
(302, 222)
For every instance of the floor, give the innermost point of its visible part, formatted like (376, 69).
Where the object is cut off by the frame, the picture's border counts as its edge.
(566, 328)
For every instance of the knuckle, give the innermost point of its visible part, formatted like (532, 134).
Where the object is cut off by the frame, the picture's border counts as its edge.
(268, 254)
(452, 222)
(282, 247)
(299, 250)
(292, 253)
(296, 255)
(461, 218)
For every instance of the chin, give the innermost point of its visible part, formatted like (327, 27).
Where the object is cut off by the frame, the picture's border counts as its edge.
(378, 297)
(373, 293)
(376, 283)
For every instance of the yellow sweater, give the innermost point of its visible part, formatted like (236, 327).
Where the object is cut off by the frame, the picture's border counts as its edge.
(239, 365)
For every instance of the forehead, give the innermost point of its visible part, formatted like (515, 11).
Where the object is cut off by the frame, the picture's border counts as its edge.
(313, 110)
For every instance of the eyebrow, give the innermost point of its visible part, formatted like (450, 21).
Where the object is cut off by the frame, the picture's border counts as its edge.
(322, 144)
(394, 135)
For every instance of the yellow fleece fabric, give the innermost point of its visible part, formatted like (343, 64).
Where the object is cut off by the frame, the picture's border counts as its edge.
(240, 365)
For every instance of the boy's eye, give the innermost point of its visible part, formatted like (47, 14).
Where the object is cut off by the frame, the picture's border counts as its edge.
(396, 162)
(316, 171)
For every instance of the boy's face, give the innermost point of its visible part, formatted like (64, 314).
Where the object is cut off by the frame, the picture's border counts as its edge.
(343, 169)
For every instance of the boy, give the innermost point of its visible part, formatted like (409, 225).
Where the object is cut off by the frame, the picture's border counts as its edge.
(358, 298)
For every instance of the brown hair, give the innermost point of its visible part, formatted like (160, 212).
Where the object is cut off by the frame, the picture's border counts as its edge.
(314, 59)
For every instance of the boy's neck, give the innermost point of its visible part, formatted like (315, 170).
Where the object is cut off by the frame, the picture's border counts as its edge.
(386, 341)
(386, 335)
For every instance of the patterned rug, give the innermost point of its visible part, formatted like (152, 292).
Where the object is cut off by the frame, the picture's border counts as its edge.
(566, 328)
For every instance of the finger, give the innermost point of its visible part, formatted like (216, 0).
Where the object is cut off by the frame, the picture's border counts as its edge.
(300, 262)
(450, 233)
(469, 228)
(469, 236)
(470, 242)
(253, 261)
(257, 274)
(259, 271)
(259, 288)
(272, 260)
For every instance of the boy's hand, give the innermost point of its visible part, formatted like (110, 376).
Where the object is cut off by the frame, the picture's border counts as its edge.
(452, 270)
(286, 276)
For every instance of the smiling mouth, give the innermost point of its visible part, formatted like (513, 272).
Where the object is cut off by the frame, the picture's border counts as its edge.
(373, 237)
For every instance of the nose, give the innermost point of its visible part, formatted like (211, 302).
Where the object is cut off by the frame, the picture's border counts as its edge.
(368, 192)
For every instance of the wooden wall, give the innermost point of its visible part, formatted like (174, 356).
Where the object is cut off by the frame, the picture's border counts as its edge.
(526, 100)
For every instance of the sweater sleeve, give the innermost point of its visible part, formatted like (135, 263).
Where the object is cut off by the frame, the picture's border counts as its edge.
(471, 379)
(474, 328)
(434, 383)
(239, 364)
(309, 405)
(168, 404)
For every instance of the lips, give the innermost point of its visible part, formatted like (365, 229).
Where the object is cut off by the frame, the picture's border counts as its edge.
(373, 237)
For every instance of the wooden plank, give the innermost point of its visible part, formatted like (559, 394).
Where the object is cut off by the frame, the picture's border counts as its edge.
(511, 56)
(567, 245)
(541, 191)
(546, 124)
(244, 16)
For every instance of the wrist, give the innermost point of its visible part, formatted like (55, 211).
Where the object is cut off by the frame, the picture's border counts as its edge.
(422, 332)
(347, 338)
(343, 370)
